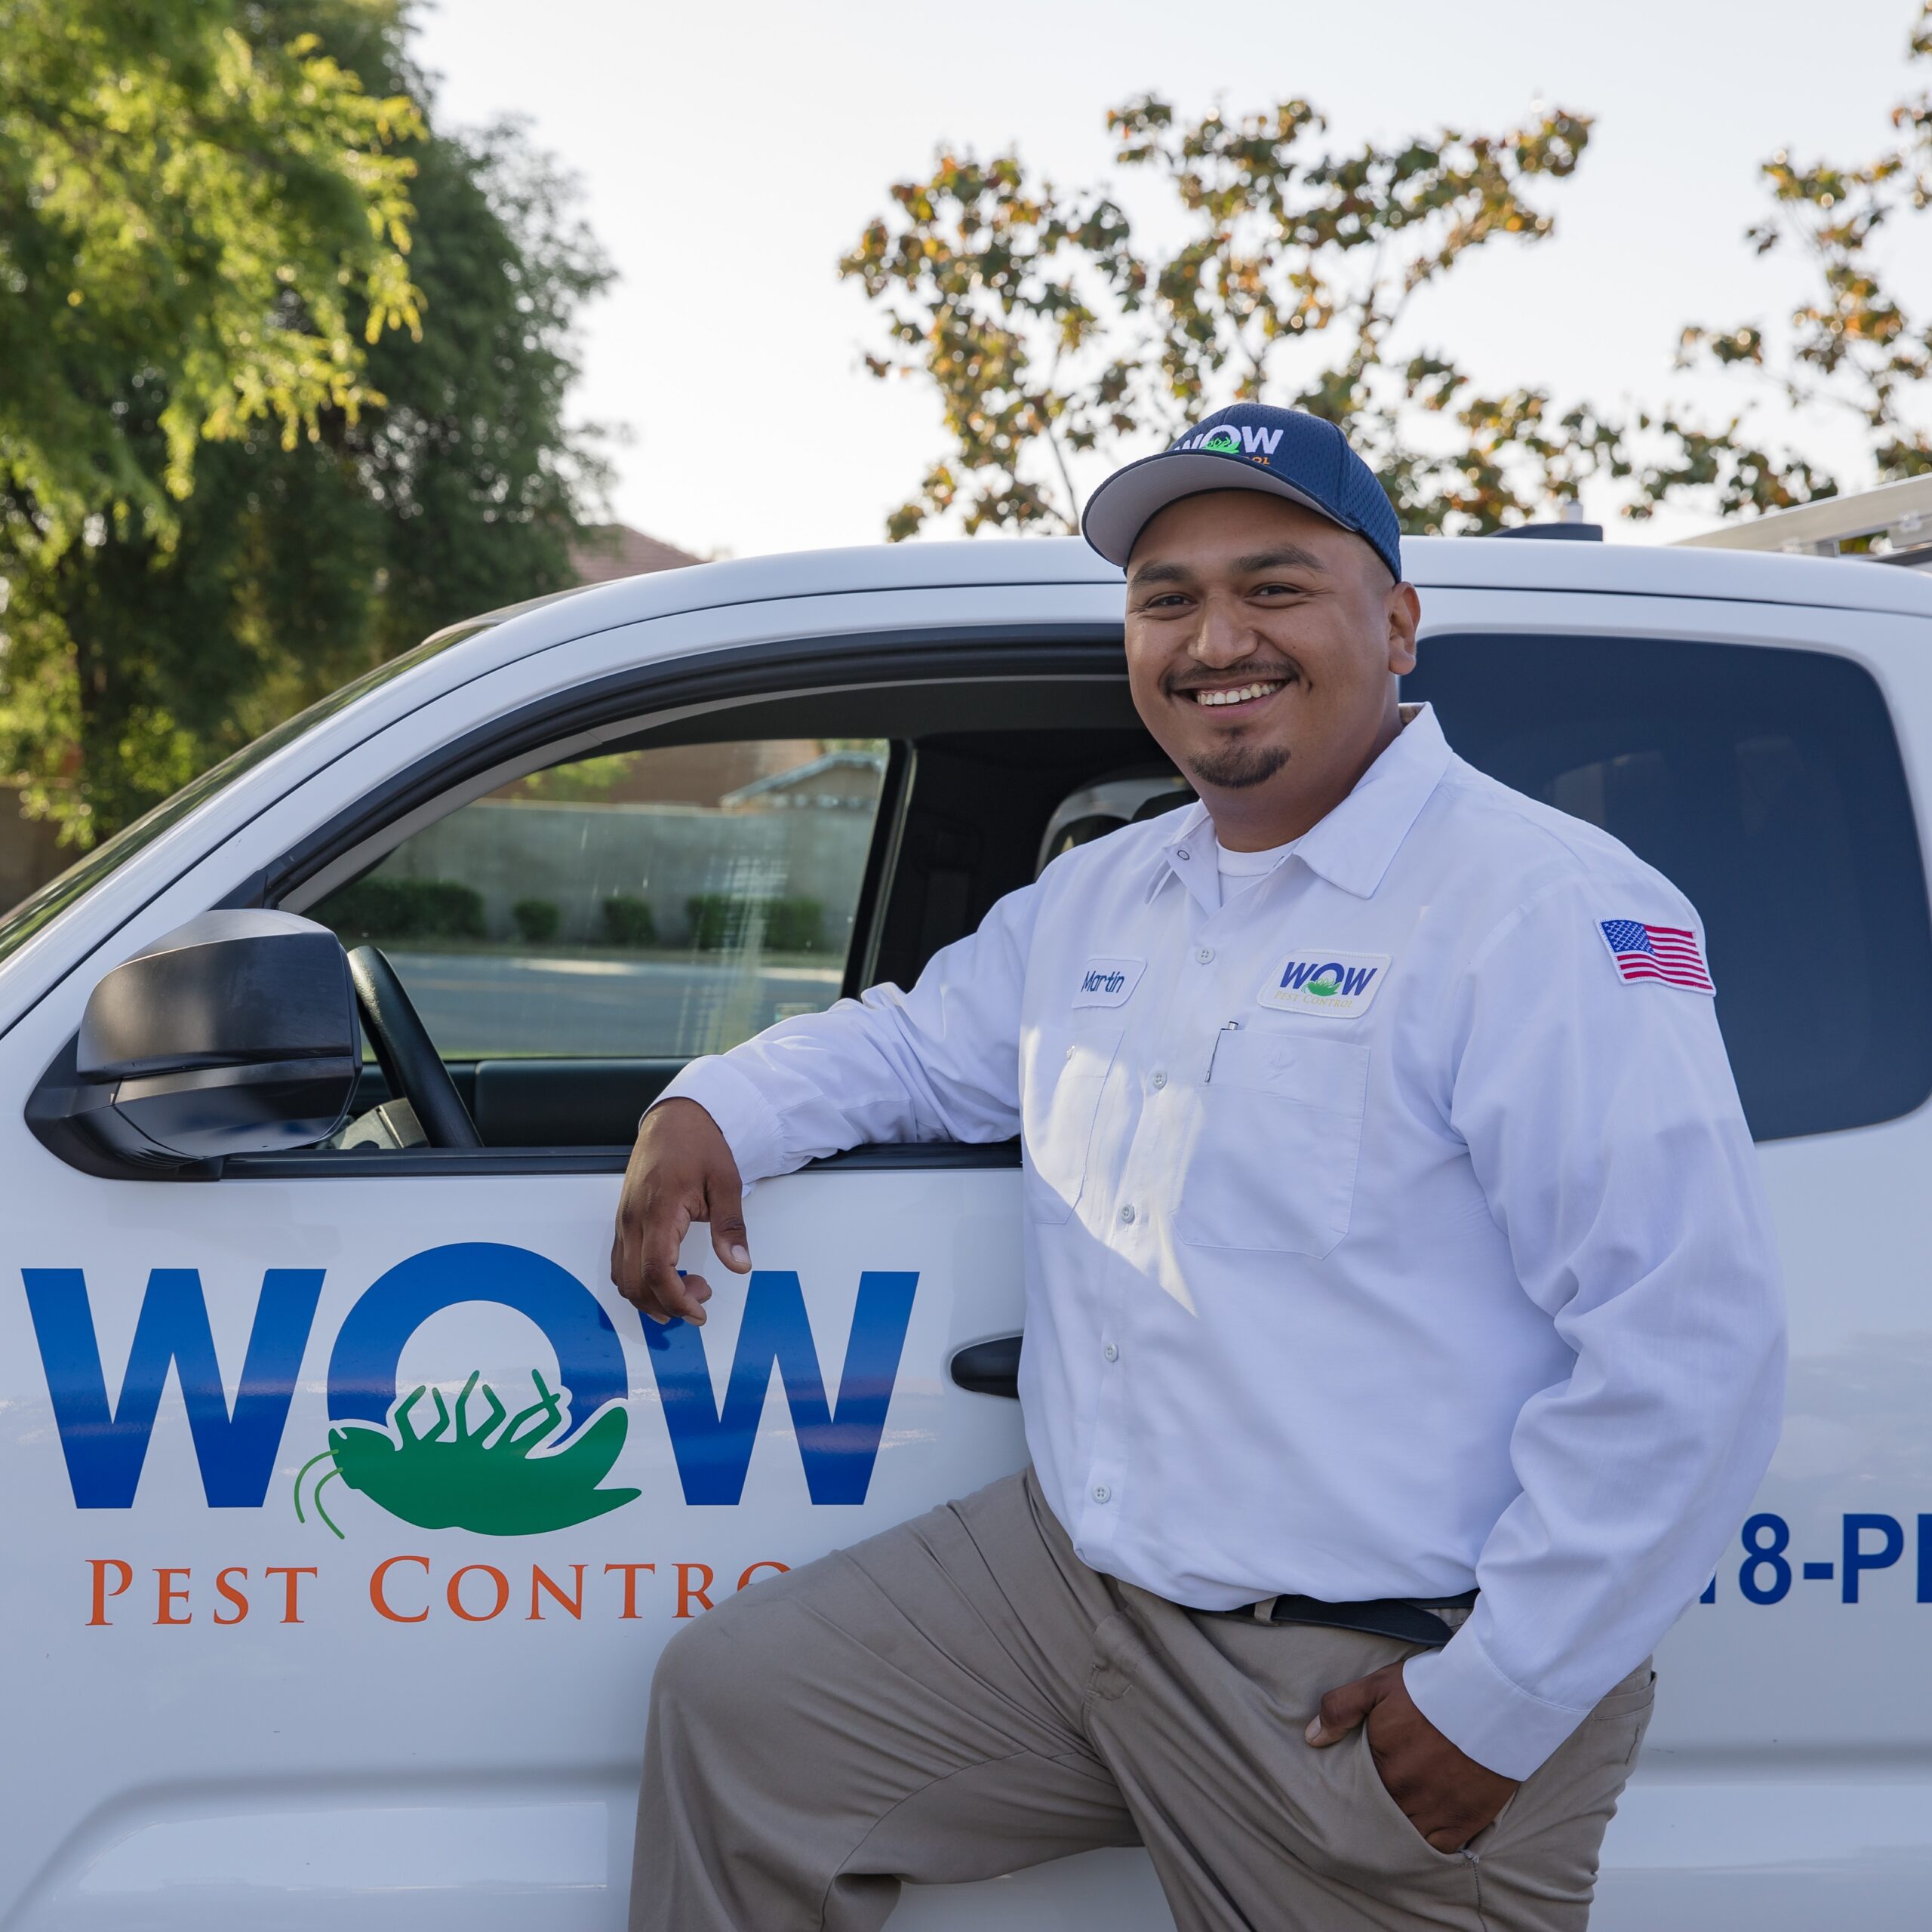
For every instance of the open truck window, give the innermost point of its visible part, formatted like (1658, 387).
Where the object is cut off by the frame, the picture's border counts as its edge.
(653, 904)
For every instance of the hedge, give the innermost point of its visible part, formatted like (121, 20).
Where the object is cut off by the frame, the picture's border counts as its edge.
(536, 919)
(719, 920)
(630, 921)
(404, 909)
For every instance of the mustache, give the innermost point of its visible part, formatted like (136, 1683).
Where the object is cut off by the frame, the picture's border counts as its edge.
(1177, 682)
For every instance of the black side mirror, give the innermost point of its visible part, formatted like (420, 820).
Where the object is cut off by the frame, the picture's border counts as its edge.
(236, 1034)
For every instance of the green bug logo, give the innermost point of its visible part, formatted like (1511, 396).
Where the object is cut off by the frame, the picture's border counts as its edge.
(1223, 442)
(1327, 987)
(503, 1479)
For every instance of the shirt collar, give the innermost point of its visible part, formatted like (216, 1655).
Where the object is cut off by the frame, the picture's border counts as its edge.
(1354, 845)
(1189, 856)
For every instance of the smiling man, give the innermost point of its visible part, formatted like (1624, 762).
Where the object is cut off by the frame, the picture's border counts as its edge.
(1403, 1336)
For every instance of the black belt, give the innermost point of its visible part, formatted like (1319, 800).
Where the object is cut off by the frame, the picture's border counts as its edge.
(1408, 1619)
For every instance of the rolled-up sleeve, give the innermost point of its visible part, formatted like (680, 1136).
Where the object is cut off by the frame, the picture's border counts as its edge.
(940, 1063)
(1603, 1127)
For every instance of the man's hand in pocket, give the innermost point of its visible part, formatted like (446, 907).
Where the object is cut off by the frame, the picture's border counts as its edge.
(1447, 1796)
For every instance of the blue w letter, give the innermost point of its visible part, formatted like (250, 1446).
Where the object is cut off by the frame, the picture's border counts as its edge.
(105, 1447)
(838, 1446)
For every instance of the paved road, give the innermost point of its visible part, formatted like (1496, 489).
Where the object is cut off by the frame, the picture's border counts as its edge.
(479, 1003)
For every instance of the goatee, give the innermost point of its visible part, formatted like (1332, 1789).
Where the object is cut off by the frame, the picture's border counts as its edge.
(1235, 768)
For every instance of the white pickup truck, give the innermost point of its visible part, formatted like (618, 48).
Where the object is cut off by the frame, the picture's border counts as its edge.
(344, 1507)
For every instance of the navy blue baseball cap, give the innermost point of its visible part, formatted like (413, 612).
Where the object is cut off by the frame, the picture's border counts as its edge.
(1250, 446)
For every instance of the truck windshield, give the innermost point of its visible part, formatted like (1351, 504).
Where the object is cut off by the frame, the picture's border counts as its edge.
(41, 908)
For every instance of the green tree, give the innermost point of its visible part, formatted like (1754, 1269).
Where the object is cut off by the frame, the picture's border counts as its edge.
(1047, 334)
(202, 225)
(142, 653)
(1854, 344)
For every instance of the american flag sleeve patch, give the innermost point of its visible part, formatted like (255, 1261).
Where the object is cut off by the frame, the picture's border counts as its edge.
(1668, 953)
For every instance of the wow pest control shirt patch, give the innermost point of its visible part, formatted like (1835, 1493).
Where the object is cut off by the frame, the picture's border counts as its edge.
(1338, 986)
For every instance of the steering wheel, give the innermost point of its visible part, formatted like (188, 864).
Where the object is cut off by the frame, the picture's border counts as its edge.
(407, 1054)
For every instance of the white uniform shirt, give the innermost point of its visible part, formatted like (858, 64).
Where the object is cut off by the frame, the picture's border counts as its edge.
(1383, 1238)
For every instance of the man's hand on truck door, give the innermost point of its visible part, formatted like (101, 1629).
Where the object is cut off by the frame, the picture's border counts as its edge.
(681, 1170)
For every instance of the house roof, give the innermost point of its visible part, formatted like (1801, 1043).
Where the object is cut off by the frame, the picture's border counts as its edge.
(778, 782)
(610, 551)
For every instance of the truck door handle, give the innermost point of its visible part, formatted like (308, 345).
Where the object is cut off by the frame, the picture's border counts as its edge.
(989, 1368)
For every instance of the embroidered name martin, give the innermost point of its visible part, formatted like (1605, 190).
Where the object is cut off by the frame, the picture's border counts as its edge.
(1338, 986)
(1108, 982)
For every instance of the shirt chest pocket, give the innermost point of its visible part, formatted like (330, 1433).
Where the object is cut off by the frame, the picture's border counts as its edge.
(1061, 1103)
(1270, 1163)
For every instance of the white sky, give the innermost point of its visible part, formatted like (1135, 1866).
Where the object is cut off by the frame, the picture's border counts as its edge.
(730, 152)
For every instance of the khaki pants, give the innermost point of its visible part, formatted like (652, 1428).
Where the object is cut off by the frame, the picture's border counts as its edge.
(961, 1697)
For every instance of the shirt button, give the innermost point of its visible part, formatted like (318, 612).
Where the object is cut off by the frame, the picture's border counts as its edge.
(1204, 954)
(1111, 1353)
(1127, 1212)
(1180, 852)
(1070, 1053)
(1101, 1492)
(1159, 1081)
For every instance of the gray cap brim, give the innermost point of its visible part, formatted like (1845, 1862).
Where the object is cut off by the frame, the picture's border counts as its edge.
(1123, 506)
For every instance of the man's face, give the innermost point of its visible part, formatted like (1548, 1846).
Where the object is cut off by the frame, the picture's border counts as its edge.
(1262, 642)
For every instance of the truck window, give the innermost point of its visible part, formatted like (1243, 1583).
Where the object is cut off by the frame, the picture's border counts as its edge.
(1768, 784)
(572, 940)
(653, 904)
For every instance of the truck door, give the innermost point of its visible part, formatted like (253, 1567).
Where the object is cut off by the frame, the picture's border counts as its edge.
(349, 1506)
(1759, 755)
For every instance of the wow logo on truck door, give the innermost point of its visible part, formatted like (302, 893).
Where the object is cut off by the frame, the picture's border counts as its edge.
(507, 1475)
(501, 1480)
(476, 1463)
